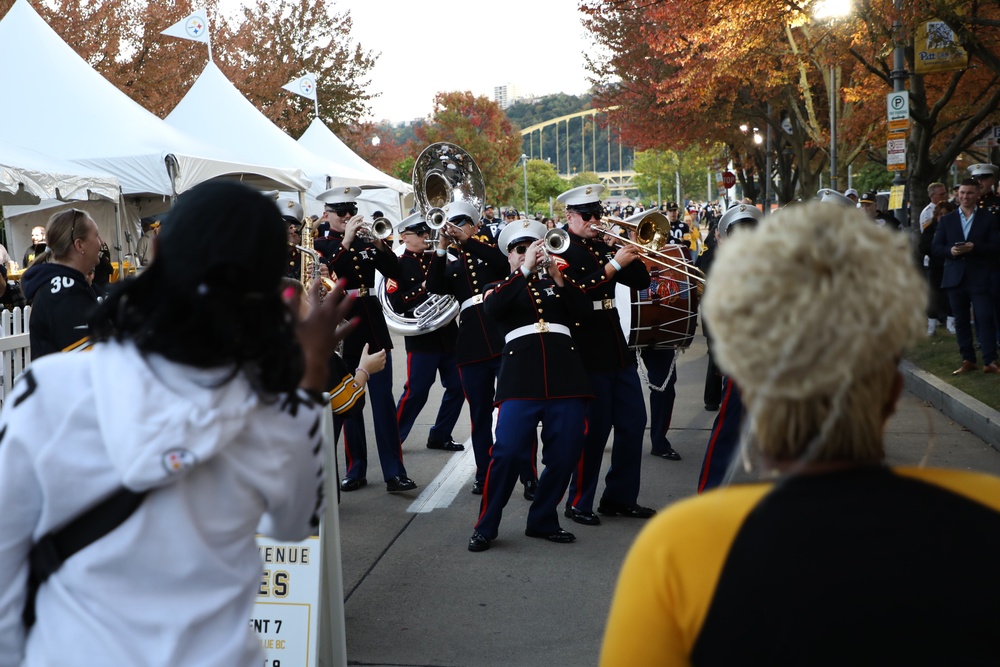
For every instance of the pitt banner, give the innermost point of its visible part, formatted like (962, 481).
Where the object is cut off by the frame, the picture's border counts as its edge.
(935, 49)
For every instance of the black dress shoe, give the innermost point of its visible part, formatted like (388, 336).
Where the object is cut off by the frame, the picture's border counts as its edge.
(529, 489)
(348, 484)
(477, 488)
(586, 518)
(712, 407)
(478, 543)
(668, 454)
(559, 537)
(448, 445)
(400, 483)
(617, 509)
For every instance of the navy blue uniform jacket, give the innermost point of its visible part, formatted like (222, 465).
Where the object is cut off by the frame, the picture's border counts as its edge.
(408, 293)
(599, 332)
(538, 365)
(357, 265)
(479, 264)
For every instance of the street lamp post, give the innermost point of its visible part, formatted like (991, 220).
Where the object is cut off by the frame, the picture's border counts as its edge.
(834, 9)
(524, 164)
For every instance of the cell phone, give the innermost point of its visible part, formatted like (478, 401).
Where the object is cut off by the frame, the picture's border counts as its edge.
(958, 243)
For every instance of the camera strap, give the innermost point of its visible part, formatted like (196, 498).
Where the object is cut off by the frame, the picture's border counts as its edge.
(49, 553)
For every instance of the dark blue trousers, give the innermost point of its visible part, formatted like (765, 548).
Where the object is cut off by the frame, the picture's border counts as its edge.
(962, 298)
(421, 370)
(479, 382)
(390, 450)
(563, 424)
(619, 404)
(661, 403)
(724, 442)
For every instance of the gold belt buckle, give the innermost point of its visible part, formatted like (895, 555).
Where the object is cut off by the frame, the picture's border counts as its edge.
(363, 291)
(541, 326)
(606, 304)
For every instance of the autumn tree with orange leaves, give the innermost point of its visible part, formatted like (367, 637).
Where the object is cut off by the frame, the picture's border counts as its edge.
(684, 71)
(264, 47)
(479, 125)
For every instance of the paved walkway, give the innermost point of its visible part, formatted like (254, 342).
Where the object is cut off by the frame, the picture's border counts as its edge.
(415, 596)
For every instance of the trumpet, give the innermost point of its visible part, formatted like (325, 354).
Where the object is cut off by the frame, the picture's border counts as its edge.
(377, 229)
(554, 242)
(642, 231)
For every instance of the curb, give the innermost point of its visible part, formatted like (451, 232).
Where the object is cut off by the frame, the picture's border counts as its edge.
(982, 420)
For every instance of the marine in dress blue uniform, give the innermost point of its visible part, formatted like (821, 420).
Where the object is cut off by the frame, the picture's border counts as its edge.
(661, 372)
(724, 440)
(355, 260)
(541, 380)
(427, 354)
(596, 267)
(986, 175)
(478, 263)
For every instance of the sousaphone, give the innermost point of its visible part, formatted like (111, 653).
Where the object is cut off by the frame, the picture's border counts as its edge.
(443, 173)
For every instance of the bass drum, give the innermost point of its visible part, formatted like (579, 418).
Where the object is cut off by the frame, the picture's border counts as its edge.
(665, 314)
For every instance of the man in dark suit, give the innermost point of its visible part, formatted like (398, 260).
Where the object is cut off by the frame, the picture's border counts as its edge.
(969, 241)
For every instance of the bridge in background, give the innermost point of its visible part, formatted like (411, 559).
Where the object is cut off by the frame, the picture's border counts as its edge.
(617, 181)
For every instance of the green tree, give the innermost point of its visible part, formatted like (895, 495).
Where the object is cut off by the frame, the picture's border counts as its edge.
(543, 182)
(479, 126)
(656, 168)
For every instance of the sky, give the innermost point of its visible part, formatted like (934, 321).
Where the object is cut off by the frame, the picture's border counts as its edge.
(536, 45)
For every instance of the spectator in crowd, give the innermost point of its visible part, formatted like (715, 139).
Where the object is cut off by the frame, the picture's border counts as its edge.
(36, 248)
(155, 508)
(968, 240)
(938, 309)
(773, 573)
(56, 283)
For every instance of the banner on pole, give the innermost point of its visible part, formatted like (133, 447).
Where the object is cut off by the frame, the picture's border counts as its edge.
(936, 49)
(193, 27)
(304, 86)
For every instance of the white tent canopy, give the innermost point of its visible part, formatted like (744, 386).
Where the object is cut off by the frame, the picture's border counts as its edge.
(320, 140)
(28, 177)
(59, 105)
(214, 110)
(34, 186)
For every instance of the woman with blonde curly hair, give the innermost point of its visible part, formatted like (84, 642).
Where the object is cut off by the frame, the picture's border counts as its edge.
(837, 558)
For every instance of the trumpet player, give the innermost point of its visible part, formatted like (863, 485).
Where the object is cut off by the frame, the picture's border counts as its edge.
(596, 267)
(541, 380)
(355, 260)
(479, 340)
(427, 355)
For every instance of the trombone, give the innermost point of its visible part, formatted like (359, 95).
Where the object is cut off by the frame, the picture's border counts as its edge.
(646, 233)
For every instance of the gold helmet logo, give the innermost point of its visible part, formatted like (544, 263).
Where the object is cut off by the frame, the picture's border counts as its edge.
(588, 191)
(347, 191)
(525, 224)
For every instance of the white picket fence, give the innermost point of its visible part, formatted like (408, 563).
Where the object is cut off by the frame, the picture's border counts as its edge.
(15, 348)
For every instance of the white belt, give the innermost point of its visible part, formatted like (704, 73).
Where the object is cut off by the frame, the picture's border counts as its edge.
(605, 304)
(361, 291)
(537, 327)
(472, 301)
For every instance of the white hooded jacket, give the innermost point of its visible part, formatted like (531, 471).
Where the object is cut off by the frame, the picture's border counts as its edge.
(175, 584)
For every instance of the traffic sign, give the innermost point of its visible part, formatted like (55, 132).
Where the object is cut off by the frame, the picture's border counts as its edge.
(728, 179)
(898, 106)
(895, 154)
(899, 125)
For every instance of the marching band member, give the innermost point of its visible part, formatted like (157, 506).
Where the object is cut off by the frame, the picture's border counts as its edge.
(293, 215)
(355, 260)
(596, 267)
(725, 437)
(428, 354)
(479, 340)
(661, 379)
(541, 380)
